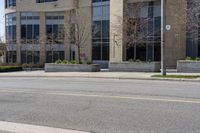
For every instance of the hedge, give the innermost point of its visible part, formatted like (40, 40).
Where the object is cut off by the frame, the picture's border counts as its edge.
(10, 68)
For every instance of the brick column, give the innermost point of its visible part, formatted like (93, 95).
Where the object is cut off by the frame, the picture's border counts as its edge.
(42, 38)
(18, 37)
(176, 37)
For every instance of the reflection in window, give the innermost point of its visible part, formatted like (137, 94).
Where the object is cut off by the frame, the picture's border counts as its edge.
(43, 1)
(55, 28)
(53, 56)
(11, 28)
(10, 3)
(30, 28)
(11, 57)
(100, 38)
(30, 57)
(144, 31)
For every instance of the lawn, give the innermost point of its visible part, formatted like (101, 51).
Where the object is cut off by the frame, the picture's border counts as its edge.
(178, 76)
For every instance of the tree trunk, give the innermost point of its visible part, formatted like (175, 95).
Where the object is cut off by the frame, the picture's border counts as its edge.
(79, 55)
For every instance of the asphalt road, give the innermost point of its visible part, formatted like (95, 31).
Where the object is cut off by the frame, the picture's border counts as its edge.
(102, 105)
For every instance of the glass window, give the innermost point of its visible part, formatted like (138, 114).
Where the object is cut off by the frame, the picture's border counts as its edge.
(30, 27)
(10, 28)
(101, 27)
(53, 56)
(11, 57)
(55, 27)
(145, 17)
(28, 57)
(10, 3)
(43, 1)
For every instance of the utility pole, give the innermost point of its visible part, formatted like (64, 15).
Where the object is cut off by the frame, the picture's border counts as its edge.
(163, 30)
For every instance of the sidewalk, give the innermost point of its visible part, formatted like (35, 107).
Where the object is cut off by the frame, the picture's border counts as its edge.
(109, 75)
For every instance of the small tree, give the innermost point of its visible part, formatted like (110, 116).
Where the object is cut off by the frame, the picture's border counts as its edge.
(2, 47)
(134, 26)
(77, 31)
(193, 19)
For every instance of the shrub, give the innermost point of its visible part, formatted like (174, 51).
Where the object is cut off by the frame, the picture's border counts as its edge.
(188, 58)
(132, 60)
(89, 62)
(10, 68)
(138, 60)
(73, 62)
(198, 59)
(64, 62)
(58, 62)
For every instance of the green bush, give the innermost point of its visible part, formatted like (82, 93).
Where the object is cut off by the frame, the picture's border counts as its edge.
(58, 62)
(188, 58)
(73, 62)
(89, 62)
(133, 60)
(67, 62)
(10, 68)
(198, 59)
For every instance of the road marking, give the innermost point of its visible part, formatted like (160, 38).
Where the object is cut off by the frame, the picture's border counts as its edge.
(25, 128)
(142, 98)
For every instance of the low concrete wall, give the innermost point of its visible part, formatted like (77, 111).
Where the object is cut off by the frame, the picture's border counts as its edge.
(188, 66)
(134, 67)
(52, 67)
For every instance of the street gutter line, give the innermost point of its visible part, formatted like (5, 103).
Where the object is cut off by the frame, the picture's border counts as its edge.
(104, 77)
(142, 98)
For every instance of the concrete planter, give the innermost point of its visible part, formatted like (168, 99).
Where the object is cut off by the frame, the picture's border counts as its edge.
(188, 66)
(52, 67)
(134, 67)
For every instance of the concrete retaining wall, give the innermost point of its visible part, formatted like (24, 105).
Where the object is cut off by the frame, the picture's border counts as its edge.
(134, 67)
(188, 66)
(52, 67)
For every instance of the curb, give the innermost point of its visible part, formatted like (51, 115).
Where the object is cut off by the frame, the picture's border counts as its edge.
(100, 77)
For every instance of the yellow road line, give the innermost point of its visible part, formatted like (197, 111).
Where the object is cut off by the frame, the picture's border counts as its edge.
(142, 98)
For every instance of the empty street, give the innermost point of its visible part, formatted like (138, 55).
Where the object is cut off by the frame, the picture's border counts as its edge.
(101, 105)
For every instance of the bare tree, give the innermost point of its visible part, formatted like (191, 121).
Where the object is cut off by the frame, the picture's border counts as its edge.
(193, 19)
(2, 50)
(77, 31)
(136, 26)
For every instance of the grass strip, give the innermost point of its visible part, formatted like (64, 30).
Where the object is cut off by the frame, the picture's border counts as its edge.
(178, 76)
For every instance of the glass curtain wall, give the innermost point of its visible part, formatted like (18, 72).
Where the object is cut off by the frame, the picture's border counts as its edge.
(10, 22)
(55, 36)
(10, 3)
(100, 41)
(144, 26)
(30, 37)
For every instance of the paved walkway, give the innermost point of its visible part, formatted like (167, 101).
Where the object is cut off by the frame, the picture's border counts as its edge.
(111, 75)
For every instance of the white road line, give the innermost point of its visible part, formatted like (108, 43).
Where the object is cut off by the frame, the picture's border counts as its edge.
(25, 128)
